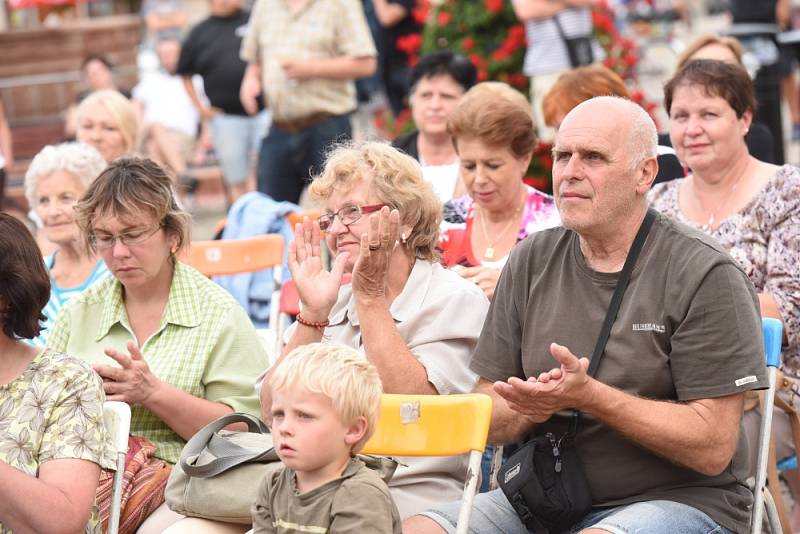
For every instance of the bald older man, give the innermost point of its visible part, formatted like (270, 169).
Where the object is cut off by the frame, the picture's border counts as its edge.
(660, 437)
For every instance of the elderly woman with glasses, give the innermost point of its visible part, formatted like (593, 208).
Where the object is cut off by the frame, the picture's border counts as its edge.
(165, 339)
(413, 319)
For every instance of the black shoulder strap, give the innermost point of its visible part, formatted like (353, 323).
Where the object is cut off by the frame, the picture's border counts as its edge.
(616, 300)
(619, 291)
(559, 28)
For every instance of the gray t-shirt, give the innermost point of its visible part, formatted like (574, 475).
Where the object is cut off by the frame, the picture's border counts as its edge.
(688, 328)
(359, 501)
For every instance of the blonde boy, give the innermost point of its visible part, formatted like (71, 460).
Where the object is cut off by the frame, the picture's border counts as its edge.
(325, 403)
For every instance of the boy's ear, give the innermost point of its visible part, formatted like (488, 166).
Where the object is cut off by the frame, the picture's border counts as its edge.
(356, 430)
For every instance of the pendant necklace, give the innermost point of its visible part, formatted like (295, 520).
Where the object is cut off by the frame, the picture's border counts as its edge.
(488, 254)
(709, 225)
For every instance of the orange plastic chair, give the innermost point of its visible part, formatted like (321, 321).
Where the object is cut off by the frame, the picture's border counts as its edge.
(234, 256)
(436, 425)
(297, 216)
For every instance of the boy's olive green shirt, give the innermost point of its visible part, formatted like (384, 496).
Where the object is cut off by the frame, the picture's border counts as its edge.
(205, 345)
(357, 502)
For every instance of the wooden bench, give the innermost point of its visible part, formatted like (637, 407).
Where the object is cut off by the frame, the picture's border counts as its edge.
(27, 141)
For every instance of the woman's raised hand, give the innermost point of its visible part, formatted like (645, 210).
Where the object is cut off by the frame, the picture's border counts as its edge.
(371, 269)
(317, 287)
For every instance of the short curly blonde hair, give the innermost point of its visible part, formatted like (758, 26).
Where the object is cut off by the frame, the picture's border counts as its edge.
(340, 373)
(395, 179)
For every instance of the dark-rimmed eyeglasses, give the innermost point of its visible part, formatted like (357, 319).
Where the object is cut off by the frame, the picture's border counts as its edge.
(347, 215)
(136, 236)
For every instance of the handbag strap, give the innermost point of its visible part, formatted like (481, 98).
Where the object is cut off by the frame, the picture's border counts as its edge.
(559, 28)
(228, 454)
(616, 300)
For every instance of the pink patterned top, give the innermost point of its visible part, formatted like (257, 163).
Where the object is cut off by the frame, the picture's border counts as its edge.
(539, 213)
(764, 237)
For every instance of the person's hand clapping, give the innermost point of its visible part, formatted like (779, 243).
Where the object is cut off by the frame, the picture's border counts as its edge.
(371, 269)
(317, 287)
(566, 386)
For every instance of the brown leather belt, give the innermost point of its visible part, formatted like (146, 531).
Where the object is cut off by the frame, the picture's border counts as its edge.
(297, 125)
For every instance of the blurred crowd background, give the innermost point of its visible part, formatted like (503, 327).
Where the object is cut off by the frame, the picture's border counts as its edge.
(56, 51)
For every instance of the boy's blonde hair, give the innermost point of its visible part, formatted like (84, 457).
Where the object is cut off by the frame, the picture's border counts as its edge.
(341, 374)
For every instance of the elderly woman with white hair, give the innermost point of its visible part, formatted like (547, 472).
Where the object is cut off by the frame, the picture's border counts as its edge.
(57, 177)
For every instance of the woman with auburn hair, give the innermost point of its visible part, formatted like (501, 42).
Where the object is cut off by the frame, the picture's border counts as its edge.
(416, 321)
(577, 85)
(494, 135)
(109, 122)
(52, 438)
(750, 207)
(583, 83)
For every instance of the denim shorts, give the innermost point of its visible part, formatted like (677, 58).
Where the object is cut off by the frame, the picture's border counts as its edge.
(237, 139)
(491, 512)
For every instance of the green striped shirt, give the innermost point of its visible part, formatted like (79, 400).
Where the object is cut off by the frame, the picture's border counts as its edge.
(205, 345)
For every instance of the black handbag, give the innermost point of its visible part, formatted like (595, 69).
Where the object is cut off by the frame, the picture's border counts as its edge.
(544, 480)
(579, 49)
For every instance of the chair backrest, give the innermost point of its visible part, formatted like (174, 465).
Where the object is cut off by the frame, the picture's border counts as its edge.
(117, 419)
(233, 256)
(772, 330)
(431, 425)
(436, 425)
(297, 216)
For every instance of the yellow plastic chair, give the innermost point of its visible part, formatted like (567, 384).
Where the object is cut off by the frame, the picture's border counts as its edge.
(234, 256)
(436, 425)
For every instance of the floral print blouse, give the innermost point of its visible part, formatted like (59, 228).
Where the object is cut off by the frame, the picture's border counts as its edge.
(54, 410)
(764, 237)
(539, 213)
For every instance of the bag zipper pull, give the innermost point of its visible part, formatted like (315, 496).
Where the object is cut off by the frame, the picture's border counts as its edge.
(556, 452)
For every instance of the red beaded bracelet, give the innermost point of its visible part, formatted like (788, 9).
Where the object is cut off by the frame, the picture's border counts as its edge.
(318, 325)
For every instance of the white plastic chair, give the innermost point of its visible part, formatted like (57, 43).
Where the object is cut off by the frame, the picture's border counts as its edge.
(117, 418)
(773, 335)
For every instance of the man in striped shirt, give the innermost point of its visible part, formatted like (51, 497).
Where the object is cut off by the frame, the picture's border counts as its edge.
(547, 56)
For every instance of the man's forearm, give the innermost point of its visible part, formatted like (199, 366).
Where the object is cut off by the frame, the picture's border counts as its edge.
(388, 14)
(344, 67)
(507, 425)
(701, 435)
